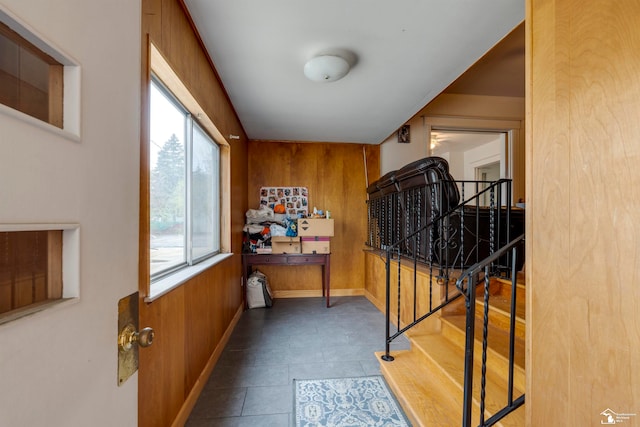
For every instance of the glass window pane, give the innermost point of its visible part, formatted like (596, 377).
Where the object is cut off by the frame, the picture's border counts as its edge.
(204, 195)
(34, 85)
(9, 75)
(29, 78)
(167, 189)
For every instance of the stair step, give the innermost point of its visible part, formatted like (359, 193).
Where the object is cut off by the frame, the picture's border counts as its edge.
(520, 278)
(419, 393)
(428, 379)
(502, 287)
(453, 328)
(500, 313)
(431, 374)
(499, 306)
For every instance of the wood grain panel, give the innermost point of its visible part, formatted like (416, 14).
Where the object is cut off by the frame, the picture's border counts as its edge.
(548, 198)
(54, 264)
(582, 254)
(287, 278)
(375, 280)
(335, 176)
(161, 386)
(204, 326)
(375, 291)
(192, 320)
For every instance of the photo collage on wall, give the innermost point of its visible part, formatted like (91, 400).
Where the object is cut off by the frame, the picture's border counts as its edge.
(294, 199)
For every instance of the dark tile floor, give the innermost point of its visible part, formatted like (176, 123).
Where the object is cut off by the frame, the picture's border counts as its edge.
(298, 338)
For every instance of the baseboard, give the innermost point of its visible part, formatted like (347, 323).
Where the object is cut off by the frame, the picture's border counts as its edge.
(191, 400)
(317, 293)
(380, 305)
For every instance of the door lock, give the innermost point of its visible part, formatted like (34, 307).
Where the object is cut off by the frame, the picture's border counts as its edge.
(129, 336)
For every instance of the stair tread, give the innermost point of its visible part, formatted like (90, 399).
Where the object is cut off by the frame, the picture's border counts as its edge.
(449, 358)
(520, 280)
(499, 311)
(419, 384)
(498, 338)
(418, 391)
(447, 354)
(500, 297)
(502, 303)
(428, 378)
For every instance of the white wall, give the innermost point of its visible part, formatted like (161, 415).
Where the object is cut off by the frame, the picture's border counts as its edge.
(394, 155)
(485, 154)
(59, 367)
(456, 164)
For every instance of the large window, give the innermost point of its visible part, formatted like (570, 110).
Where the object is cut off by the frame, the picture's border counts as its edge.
(184, 187)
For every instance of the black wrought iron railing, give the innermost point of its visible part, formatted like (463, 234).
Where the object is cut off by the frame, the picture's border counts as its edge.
(467, 284)
(431, 235)
(415, 223)
(441, 245)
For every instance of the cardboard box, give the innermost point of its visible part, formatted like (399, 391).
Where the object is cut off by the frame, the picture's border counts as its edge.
(285, 245)
(316, 245)
(315, 227)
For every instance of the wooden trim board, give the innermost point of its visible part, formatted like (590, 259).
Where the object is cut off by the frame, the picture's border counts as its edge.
(317, 293)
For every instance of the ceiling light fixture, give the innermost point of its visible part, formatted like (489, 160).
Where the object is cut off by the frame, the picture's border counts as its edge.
(434, 142)
(326, 68)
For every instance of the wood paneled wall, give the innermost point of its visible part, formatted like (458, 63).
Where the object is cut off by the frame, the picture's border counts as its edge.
(335, 176)
(191, 321)
(583, 179)
(376, 291)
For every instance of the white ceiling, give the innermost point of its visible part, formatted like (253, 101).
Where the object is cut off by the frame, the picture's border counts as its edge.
(405, 52)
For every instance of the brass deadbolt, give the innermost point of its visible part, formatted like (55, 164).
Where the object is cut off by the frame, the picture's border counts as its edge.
(129, 336)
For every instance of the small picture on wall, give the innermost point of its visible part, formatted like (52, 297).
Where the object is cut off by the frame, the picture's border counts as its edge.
(404, 134)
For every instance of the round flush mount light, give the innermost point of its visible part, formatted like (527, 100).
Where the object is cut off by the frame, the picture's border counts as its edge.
(326, 68)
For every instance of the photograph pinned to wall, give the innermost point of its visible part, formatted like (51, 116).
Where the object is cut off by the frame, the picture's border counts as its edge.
(404, 135)
(294, 199)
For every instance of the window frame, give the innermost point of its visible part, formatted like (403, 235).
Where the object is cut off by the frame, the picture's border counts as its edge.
(190, 123)
(159, 67)
(185, 113)
(191, 257)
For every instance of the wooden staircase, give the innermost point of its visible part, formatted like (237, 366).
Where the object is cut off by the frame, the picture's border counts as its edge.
(428, 379)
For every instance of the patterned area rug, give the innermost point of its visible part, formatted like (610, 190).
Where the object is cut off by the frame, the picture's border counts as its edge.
(342, 402)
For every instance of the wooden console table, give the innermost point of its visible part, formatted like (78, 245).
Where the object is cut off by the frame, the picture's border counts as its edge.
(249, 260)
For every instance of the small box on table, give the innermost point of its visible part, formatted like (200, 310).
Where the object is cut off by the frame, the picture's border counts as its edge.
(285, 245)
(316, 245)
(315, 227)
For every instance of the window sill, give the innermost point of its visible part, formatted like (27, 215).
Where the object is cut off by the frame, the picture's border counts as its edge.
(171, 282)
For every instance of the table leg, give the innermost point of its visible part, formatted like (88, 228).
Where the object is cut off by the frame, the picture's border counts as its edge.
(245, 278)
(326, 278)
